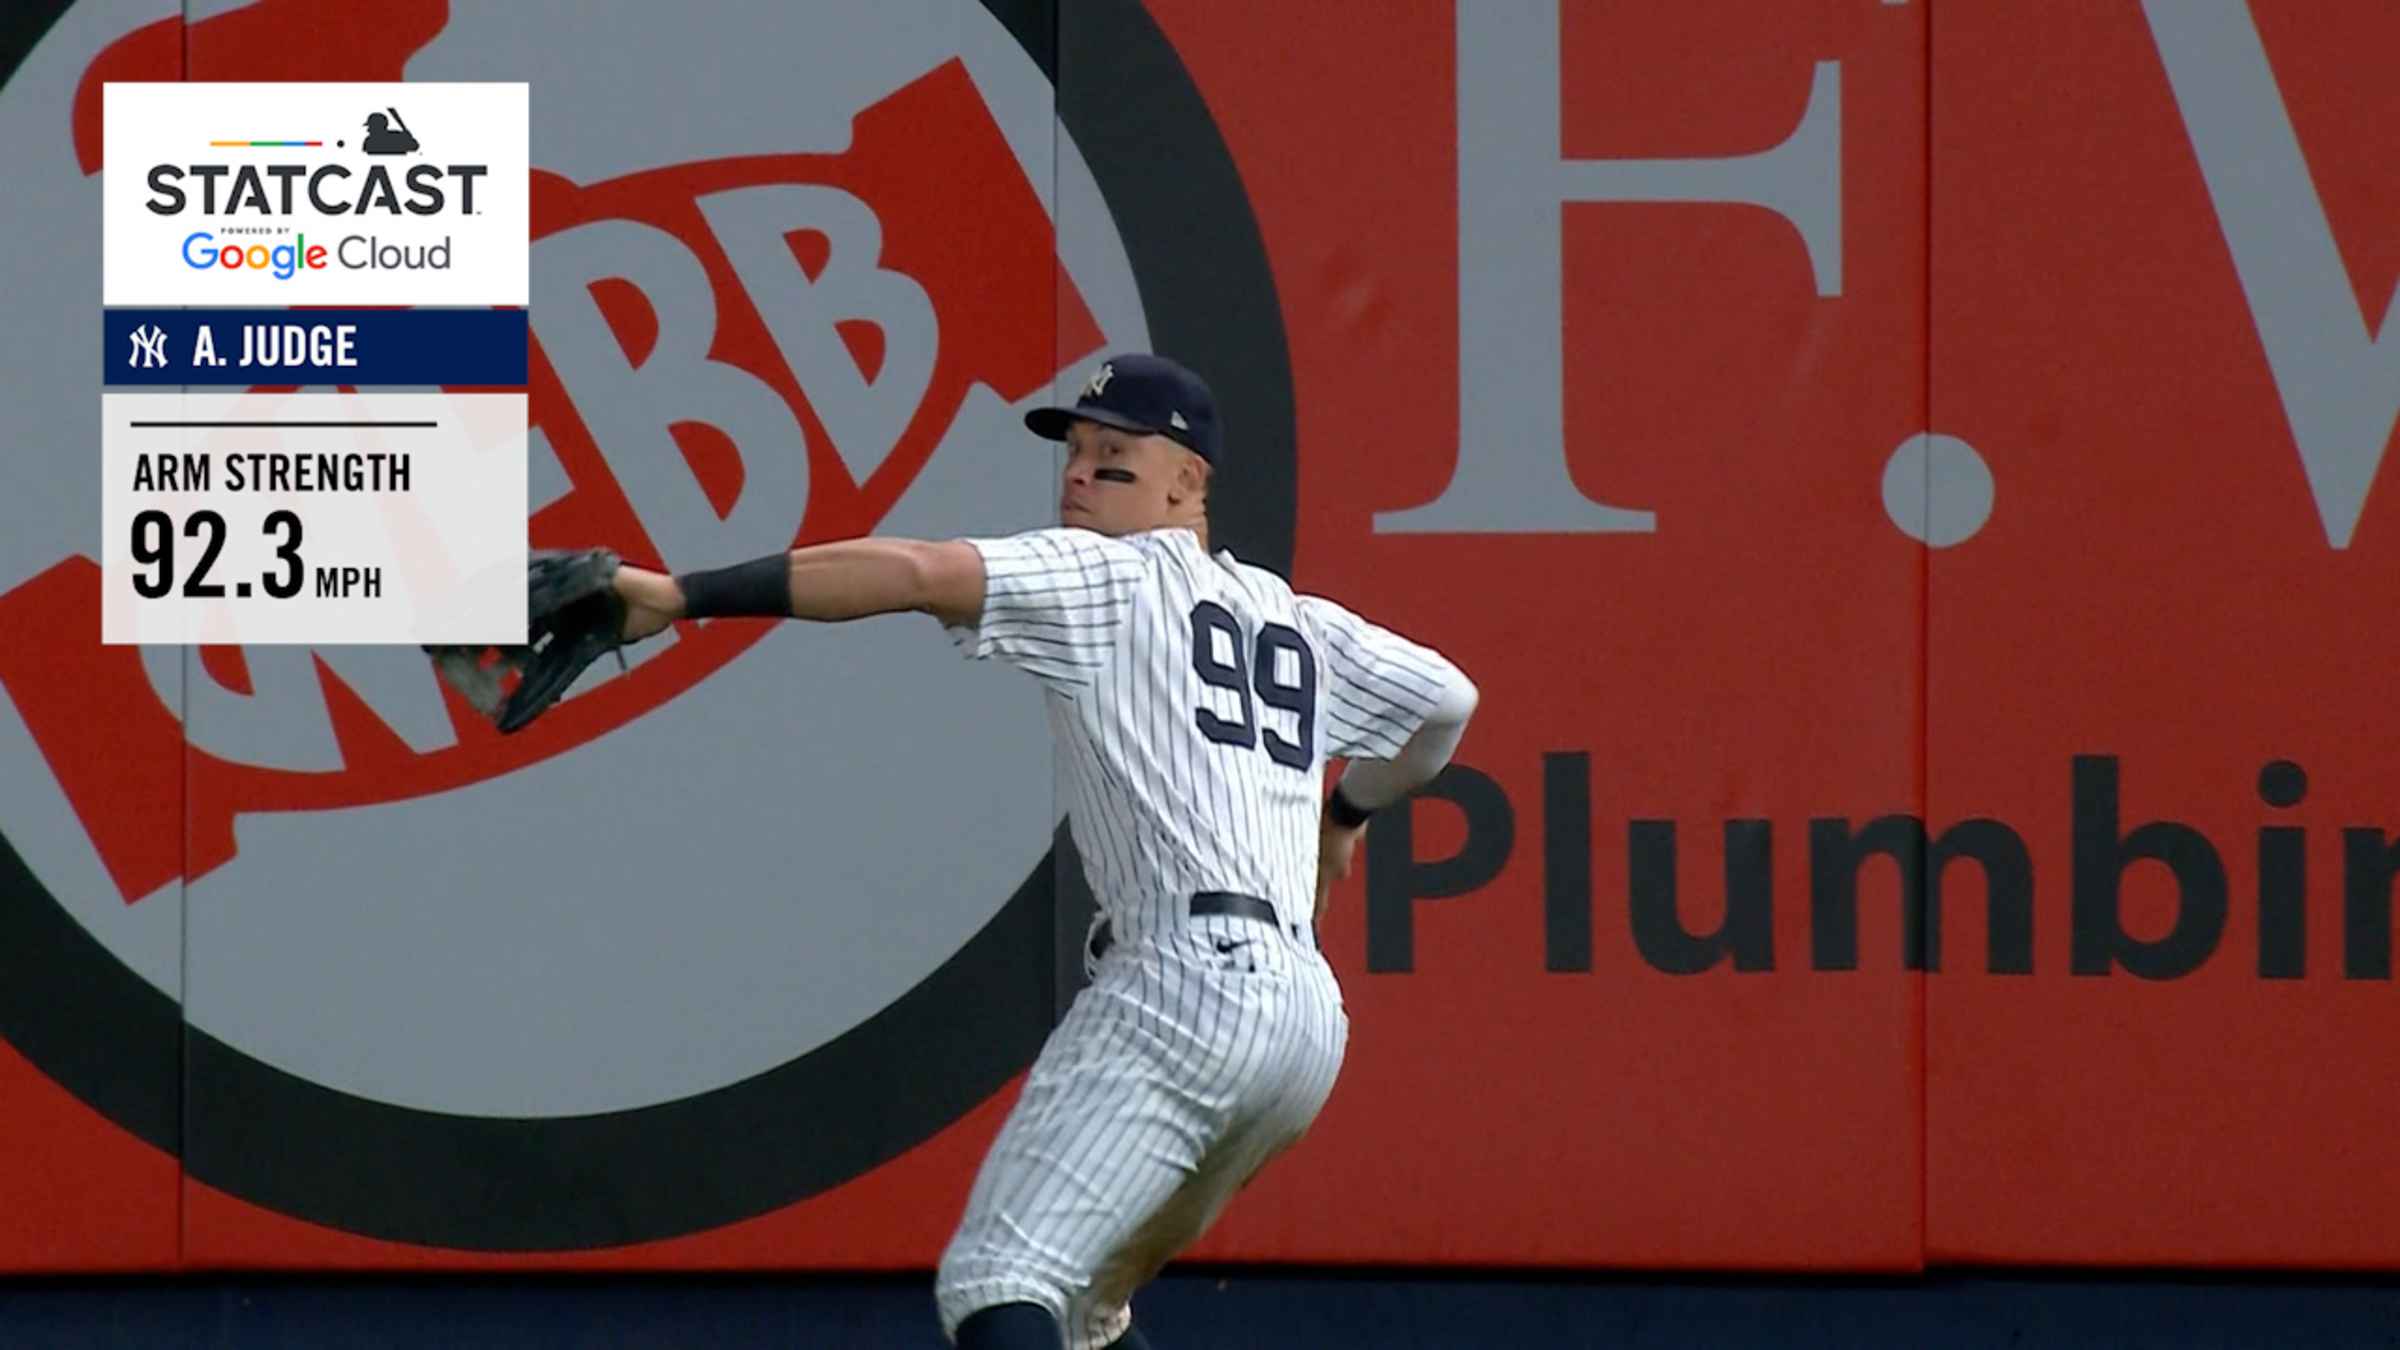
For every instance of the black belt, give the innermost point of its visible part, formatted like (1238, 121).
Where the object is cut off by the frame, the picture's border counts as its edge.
(1205, 904)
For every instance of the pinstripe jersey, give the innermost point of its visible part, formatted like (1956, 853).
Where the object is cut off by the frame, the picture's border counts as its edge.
(1194, 700)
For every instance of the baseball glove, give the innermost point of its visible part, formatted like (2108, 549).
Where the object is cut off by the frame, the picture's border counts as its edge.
(573, 617)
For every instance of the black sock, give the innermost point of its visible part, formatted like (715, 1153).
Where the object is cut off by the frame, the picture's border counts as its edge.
(1131, 1340)
(1010, 1326)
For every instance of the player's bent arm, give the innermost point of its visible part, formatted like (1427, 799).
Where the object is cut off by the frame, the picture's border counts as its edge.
(828, 583)
(1370, 784)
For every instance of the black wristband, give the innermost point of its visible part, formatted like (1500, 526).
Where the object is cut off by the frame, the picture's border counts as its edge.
(1344, 812)
(758, 589)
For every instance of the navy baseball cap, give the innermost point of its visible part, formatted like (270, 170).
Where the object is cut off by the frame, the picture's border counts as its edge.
(1143, 394)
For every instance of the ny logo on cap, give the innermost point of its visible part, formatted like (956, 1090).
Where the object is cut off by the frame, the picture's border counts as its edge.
(1175, 420)
(1098, 384)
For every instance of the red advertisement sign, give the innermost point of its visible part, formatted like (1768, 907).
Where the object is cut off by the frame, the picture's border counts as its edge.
(1902, 477)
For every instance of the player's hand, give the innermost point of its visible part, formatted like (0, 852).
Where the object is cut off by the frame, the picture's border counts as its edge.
(1337, 848)
(652, 601)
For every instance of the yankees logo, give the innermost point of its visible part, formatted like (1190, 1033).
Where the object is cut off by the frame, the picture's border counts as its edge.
(149, 347)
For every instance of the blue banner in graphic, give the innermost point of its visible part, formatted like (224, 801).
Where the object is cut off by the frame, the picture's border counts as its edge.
(451, 347)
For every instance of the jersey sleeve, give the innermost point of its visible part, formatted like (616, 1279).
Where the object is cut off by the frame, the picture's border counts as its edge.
(1379, 686)
(1053, 603)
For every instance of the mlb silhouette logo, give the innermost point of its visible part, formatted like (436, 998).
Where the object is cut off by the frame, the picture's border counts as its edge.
(388, 135)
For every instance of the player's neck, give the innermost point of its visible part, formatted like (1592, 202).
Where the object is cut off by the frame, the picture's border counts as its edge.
(1198, 528)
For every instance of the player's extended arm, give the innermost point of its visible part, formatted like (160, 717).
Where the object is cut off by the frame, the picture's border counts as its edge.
(1368, 785)
(829, 583)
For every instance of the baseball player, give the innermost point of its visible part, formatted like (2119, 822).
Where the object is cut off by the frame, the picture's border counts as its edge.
(1194, 700)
